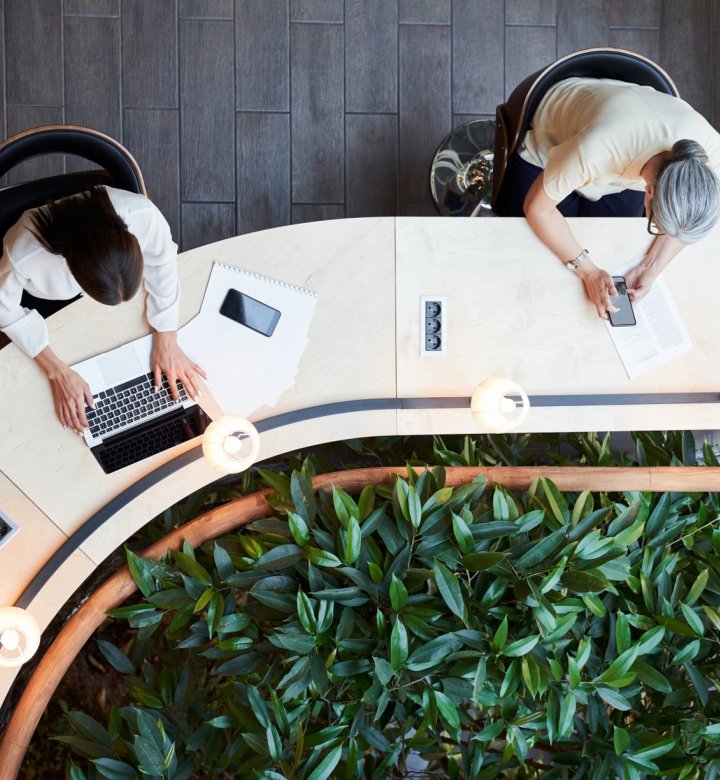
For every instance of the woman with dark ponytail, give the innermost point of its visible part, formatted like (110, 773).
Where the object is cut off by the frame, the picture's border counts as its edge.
(599, 147)
(104, 243)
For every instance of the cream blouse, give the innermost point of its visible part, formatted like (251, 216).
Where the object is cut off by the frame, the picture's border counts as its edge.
(593, 136)
(27, 265)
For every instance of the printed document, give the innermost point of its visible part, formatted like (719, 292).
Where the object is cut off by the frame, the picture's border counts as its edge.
(246, 369)
(659, 335)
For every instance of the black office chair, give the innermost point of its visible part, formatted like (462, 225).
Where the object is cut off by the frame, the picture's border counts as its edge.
(513, 117)
(118, 169)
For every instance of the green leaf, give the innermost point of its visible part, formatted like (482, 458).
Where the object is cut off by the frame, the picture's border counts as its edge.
(345, 507)
(651, 677)
(281, 557)
(302, 495)
(556, 501)
(449, 588)
(448, 712)
(692, 620)
(398, 645)
(490, 732)
(621, 740)
(191, 567)
(299, 529)
(352, 542)
(592, 581)
(687, 653)
(150, 758)
(541, 551)
(567, 711)
(111, 769)
(659, 515)
(500, 636)
(305, 613)
(622, 633)
(223, 562)
(619, 667)
(650, 640)
(321, 557)
(433, 652)
(383, 670)
(654, 751)
(463, 534)
(613, 698)
(220, 722)
(697, 587)
(482, 560)
(631, 534)
(520, 646)
(325, 768)
(414, 507)
(398, 594)
(140, 571)
(376, 573)
(115, 657)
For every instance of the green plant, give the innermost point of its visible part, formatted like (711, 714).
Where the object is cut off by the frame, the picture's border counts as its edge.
(487, 633)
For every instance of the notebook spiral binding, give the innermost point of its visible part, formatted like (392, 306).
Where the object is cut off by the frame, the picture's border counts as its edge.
(270, 279)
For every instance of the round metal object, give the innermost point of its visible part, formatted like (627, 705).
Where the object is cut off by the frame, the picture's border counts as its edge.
(461, 171)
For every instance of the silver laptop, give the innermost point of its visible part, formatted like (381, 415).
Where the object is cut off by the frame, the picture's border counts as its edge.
(130, 420)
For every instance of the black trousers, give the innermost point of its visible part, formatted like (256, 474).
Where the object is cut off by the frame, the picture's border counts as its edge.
(520, 174)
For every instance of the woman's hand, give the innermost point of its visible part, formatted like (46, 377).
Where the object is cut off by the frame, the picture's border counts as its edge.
(599, 287)
(639, 280)
(167, 358)
(69, 390)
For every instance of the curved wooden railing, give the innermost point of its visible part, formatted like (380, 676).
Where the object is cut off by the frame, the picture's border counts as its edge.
(120, 586)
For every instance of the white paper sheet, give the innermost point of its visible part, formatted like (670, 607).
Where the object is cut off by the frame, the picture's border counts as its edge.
(658, 337)
(245, 369)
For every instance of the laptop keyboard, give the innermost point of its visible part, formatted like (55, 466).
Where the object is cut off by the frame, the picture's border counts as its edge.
(129, 403)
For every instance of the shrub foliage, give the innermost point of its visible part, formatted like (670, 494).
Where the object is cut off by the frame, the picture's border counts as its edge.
(475, 632)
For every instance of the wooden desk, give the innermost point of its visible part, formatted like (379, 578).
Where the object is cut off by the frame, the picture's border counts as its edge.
(513, 310)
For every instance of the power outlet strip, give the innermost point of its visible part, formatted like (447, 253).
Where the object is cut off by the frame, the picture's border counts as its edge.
(433, 325)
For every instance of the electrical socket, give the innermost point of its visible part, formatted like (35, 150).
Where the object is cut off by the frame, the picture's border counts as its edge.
(433, 325)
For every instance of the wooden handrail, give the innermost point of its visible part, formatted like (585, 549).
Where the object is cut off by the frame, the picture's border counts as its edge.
(120, 586)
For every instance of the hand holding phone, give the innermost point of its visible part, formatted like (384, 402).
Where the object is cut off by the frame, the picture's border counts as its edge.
(625, 316)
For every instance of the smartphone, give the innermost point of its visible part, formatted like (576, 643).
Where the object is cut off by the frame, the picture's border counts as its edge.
(248, 311)
(626, 315)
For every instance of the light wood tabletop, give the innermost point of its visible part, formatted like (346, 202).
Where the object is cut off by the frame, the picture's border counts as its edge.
(513, 310)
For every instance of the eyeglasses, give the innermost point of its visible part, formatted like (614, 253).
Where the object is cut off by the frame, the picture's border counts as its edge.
(652, 228)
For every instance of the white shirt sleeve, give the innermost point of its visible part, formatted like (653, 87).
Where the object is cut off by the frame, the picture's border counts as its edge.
(25, 327)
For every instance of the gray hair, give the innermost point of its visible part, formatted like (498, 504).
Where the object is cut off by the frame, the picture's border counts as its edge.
(686, 203)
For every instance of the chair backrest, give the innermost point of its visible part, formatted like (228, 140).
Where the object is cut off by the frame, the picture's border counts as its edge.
(119, 168)
(514, 116)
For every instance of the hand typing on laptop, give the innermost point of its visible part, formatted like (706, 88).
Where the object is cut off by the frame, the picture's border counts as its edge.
(167, 358)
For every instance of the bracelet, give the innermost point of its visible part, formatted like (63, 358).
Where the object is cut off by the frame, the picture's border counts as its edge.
(573, 264)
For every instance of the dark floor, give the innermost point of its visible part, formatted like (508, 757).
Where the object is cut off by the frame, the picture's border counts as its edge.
(255, 113)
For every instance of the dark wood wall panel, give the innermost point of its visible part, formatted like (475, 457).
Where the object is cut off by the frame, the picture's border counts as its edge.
(582, 24)
(206, 9)
(33, 40)
(21, 118)
(371, 73)
(263, 171)
(92, 7)
(478, 56)
(636, 13)
(150, 72)
(424, 11)
(317, 10)
(248, 114)
(371, 164)
(262, 46)
(207, 117)
(152, 134)
(205, 223)
(92, 73)
(527, 49)
(318, 129)
(685, 40)
(530, 12)
(643, 41)
(316, 212)
(425, 105)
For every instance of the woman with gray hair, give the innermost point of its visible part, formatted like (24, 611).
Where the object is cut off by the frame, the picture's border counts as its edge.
(599, 147)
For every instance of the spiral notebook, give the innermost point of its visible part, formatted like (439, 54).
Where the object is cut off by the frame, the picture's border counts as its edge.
(247, 369)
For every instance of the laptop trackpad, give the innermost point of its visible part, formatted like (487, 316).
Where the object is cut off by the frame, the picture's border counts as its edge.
(120, 365)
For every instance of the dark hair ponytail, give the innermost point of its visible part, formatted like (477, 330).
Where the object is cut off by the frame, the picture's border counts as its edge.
(101, 253)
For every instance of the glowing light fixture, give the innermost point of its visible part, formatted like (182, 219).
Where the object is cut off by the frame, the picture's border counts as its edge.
(231, 444)
(493, 409)
(19, 636)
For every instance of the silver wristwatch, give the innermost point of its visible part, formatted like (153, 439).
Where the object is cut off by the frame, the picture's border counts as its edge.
(573, 264)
